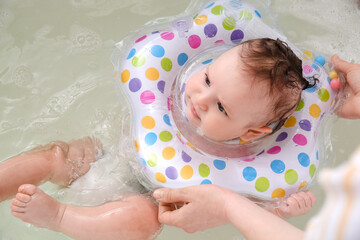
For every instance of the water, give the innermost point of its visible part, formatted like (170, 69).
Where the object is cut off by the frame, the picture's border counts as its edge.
(56, 77)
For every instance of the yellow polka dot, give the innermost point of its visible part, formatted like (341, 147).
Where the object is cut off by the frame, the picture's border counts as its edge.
(314, 110)
(278, 193)
(125, 76)
(290, 122)
(168, 153)
(242, 141)
(152, 73)
(148, 122)
(137, 146)
(190, 145)
(307, 54)
(333, 74)
(160, 177)
(200, 20)
(303, 184)
(186, 172)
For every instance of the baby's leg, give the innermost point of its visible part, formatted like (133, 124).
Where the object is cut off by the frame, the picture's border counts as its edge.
(134, 218)
(58, 162)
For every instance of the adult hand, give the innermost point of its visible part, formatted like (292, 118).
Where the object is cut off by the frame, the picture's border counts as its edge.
(194, 208)
(351, 106)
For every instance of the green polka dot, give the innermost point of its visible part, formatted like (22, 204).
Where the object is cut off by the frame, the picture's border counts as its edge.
(204, 170)
(246, 14)
(300, 106)
(166, 64)
(323, 94)
(291, 176)
(152, 160)
(138, 61)
(217, 10)
(229, 23)
(165, 136)
(312, 170)
(262, 184)
(195, 16)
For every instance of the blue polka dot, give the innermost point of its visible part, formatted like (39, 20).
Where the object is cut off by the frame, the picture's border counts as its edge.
(207, 61)
(182, 58)
(314, 66)
(167, 119)
(143, 161)
(304, 159)
(317, 155)
(236, 4)
(210, 5)
(150, 138)
(157, 51)
(277, 166)
(311, 90)
(131, 53)
(329, 80)
(219, 164)
(257, 13)
(249, 173)
(320, 60)
(186, 119)
(206, 181)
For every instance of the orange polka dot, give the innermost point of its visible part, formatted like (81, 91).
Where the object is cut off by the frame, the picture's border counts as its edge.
(314, 110)
(187, 172)
(200, 20)
(290, 122)
(242, 141)
(152, 74)
(278, 193)
(303, 184)
(148, 122)
(137, 146)
(190, 145)
(160, 177)
(168, 153)
(125, 76)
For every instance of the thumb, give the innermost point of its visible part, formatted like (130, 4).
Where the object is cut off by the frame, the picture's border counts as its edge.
(340, 64)
(171, 195)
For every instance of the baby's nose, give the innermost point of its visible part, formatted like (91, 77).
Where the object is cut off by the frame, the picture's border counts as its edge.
(203, 102)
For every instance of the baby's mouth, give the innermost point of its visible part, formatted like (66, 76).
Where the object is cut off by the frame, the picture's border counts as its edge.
(194, 111)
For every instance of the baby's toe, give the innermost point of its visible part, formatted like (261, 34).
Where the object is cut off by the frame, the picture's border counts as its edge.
(27, 189)
(15, 208)
(24, 198)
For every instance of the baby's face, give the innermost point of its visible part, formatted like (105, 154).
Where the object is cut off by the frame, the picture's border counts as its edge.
(224, 101)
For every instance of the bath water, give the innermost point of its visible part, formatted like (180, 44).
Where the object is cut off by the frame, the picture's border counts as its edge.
(56, 78)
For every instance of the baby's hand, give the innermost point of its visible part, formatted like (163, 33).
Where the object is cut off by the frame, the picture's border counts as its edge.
(297, 204)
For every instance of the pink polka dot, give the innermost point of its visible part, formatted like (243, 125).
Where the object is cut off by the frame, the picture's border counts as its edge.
(169, 103)
(167, 35)
(140, 39)
(307, 69)
(300, 139)
(219, 42)
(147, 97)
(194, 41)
(248, 159)
(274, 150)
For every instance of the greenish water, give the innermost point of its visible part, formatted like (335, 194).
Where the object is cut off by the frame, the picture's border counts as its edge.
(56, 77)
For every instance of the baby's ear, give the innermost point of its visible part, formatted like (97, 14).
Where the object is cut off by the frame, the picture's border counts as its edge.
(253, 133)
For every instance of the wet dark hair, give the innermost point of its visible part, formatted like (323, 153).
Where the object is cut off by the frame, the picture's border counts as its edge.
(273, 61)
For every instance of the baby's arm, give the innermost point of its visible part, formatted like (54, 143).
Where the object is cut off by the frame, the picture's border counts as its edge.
(297, 204)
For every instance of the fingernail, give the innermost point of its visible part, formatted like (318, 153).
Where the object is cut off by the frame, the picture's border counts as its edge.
(158, 194)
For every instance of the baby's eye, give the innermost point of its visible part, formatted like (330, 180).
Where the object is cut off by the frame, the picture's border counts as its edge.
(207, 81)
(221, 108)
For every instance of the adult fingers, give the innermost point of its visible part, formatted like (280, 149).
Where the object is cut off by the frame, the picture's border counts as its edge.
(169, 215)
(171, 195)
(341, 65)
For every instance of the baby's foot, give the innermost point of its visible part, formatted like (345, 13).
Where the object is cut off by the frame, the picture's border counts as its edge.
(72, 160)
(34, 206)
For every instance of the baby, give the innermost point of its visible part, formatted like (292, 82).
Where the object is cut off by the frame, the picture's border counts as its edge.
(249, 87)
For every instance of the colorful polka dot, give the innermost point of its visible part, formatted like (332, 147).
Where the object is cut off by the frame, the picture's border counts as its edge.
(200, 20)
(249, 174)
(194, 41)
(125, 76)
(248, 159)
(166, 64)
(304, 159)
(167, 35)
(300, 139)
(160, 177)
(187, 172)
(323, 94)
(157, 51)
(305, 125)
(277, 166)
(302, 184)
(165, 136)
(150, 138)
(262, 184)
(274, 150)
(134, 85)
(182, 58)
(307, 54)
(320, 60)
(217, 10)
(185, 157)
(168, 153)
(138, 61)
(257, 13)
(291, 176)
(152, 160)
(210, 30)
(166, 119)
(161, 86)
(137, 146)
(147, 97)
(278, 193)
(237, 36)
(246, 15)
(281, 137)
(131, 53)
(290, 122)
(229, 23)
(307, 69)
(204, 170)
(205, 181)
(152, 74)
(148, 122)
(236, 4)
(140, 39)
(314, 110)
(333, 74)
(300, 106)
(171, 173)
(312, 170)
(219, 164)
(311, 90)
(210, 5)
(207, 61)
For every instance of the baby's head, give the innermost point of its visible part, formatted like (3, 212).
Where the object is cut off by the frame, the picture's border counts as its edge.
(249, 87)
